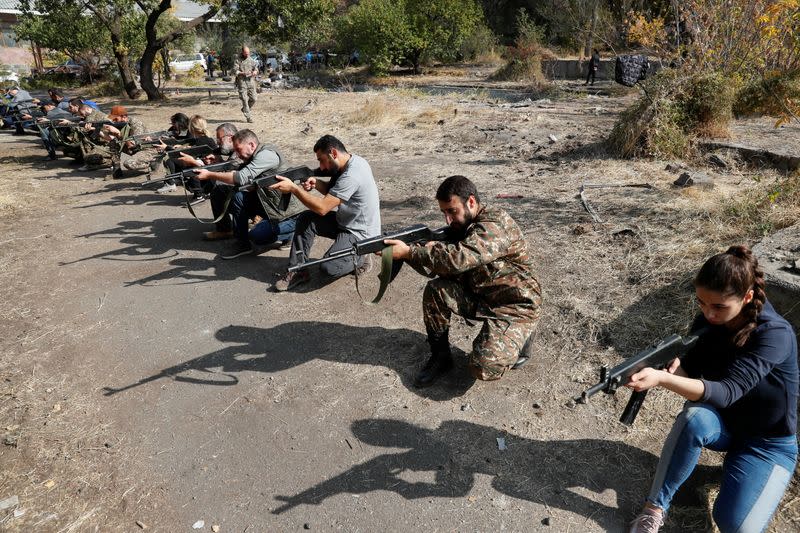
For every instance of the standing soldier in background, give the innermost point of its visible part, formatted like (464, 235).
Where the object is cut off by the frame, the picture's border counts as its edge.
(245, 70)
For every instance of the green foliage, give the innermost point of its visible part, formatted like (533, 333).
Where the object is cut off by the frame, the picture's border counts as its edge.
(524, 59)
(389, 32)
(61, 25)
(196, 73)
(675, 108)
(379, 29)
(771, 95)
(480, 43)
(303, 22)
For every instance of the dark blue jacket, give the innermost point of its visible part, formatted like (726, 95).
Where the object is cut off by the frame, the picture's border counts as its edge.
(754, 387)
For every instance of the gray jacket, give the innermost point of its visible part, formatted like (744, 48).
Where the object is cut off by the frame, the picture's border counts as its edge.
(266, 158)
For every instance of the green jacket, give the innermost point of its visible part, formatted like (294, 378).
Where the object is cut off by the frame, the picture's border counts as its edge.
(492, 262)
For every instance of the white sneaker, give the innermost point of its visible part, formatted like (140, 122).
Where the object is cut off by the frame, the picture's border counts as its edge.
(169, 187)
(648, 521)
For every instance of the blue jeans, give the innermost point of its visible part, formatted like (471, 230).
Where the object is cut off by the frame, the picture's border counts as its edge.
(755, 472)
(266, 232)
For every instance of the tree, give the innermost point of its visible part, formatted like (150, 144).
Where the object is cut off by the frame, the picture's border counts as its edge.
(61, 25)
(156, 40)
(111, 14)
(303, 22)
(388, 32)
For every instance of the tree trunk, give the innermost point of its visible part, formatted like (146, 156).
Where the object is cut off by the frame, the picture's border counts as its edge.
(165, 61)
(146, 74)
(128, 79)
(589, 45)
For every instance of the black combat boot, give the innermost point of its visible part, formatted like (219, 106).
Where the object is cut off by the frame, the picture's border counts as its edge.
(440, 362)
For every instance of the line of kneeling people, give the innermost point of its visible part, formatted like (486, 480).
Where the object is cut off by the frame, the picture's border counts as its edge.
(740, 380)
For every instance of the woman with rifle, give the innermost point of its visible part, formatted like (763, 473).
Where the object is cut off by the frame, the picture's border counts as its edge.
(741, 383)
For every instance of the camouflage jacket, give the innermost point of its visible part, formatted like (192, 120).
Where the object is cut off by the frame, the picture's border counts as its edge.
(135, 127)
(491, 261)
(96, 116)
(243, 67)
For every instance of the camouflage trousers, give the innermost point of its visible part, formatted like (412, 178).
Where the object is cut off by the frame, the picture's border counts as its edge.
(501, 339)
(95, 155)
(247, 94)
(139, 161)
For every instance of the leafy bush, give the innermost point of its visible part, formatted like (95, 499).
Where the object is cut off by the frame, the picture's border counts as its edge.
(524, 59)
(675, 108)
(197, 72)
(480, 45)
(775, 95)
(389, 32)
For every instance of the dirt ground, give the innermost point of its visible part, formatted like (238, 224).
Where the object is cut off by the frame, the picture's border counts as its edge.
(147, 384)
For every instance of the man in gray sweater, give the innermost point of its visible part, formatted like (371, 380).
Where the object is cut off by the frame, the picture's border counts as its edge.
(245, 204)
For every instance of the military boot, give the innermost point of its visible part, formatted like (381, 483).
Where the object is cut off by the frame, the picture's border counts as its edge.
(440, 362)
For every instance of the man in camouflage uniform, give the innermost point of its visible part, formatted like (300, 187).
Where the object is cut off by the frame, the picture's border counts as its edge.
(245, 70)
(126, 153)
(486, 274)
(77, 141)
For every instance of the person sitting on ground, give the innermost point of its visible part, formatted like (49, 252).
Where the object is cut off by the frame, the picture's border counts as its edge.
(217, 190)
(51, 114)
(347, 211)
(57, 98)
(257, 158)
(484, 274)
(198, 136)
(179, 137)
(741, 385)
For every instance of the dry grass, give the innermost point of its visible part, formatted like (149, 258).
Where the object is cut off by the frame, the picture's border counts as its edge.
(375, 111)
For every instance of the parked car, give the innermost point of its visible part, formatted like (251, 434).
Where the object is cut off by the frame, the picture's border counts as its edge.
(184, 62)
(9, 75)
(69, 67)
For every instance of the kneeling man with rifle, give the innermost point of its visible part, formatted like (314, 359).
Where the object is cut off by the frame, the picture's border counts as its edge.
(484, 273)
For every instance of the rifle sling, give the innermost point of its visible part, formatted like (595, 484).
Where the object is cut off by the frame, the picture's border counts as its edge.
(387, 274)
(203, 220)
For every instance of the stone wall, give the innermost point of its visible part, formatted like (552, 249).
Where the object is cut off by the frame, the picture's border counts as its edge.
(779, 256)
(575, 69)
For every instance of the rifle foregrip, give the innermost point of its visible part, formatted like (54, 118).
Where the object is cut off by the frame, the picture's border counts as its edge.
(632, 408)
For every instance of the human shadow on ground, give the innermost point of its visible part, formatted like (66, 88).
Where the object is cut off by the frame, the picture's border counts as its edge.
(169, 238)
(289, 345)
(572, 475)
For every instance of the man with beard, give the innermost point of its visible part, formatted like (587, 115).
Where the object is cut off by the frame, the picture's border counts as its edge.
(484, 274)
(256, 158)
(347, 211)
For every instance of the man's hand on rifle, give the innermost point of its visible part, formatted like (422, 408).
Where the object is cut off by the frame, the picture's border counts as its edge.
(310, 184)
(202, 174)
(189, 161)
(285, 185)
(400, 250)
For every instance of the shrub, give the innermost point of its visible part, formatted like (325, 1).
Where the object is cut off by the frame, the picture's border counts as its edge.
(196, 72)
(524, 59)
(675, 108)
(773, 95)
(767, 207)
(481, 45)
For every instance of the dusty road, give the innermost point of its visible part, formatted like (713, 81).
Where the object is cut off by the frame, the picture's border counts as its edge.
(144, 379)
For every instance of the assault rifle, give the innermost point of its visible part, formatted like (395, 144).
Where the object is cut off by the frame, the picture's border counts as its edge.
(267, 179)
(187, 173)
(657, 357)
(198, 152)
(418, 233)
